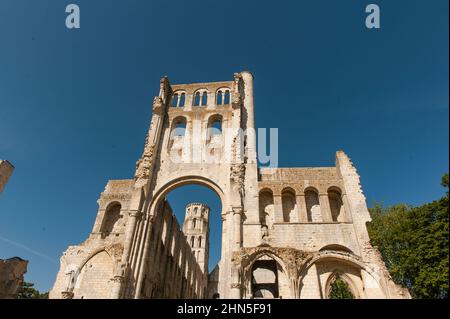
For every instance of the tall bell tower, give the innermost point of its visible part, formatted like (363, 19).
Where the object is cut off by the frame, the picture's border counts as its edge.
(196, 229)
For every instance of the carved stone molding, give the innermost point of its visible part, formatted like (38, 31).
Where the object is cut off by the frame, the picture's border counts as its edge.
(115, 251)
(157, 104)
(118, 279)
(110, 197)
(135, 214)
(67, 294)
(144, 164)
(237, 174)
(293, 259)
(237, 210)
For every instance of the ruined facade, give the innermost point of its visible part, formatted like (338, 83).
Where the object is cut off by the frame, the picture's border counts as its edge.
(11, 276)
(286, 232)
(6, 170)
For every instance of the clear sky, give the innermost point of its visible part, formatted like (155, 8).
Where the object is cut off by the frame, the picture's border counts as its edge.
(75, 105)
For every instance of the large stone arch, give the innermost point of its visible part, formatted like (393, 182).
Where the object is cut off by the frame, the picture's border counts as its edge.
(162, 191)
(94, 279)
(338, 262)
(290, 261)
(159, 195)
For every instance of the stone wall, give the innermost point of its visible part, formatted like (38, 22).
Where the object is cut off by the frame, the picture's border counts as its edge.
(96, 269)
(172, 267)
(6, 170)
(11, 276)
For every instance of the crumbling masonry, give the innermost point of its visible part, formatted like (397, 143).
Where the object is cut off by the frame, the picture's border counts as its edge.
(286, 232)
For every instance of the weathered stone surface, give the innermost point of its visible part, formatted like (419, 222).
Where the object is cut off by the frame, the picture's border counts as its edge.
(11, 276)
(6, 170)
(286, 233)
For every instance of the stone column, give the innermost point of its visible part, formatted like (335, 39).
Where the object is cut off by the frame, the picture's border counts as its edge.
(235, 284)
(188, 143)
(278, 208)
(294, 288)
(133, 216)
(237, 229)
(247, 77)
(117, 286)
(301, 208)
(325, 208)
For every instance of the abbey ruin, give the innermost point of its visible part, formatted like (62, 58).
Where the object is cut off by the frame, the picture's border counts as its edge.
(286, 232)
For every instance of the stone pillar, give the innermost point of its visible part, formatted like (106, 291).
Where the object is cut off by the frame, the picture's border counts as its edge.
(278, 208)
(247, 77)
(117, 286)
(347, 212)
(325, 208)
(188, 143)
(133, 216)
(294, 288)
(235, 285)
(237, 229)
(301, 208)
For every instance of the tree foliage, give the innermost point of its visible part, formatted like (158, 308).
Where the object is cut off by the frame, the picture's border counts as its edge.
(339, 289)
(27, 291)
(414, 244)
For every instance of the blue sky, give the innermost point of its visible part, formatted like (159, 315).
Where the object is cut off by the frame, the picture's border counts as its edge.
(75, 104)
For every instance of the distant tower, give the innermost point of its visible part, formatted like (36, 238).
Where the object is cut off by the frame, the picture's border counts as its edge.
(196, 229)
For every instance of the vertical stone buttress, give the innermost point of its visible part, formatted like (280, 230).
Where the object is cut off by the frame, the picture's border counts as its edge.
(355, 201)
(139, 227)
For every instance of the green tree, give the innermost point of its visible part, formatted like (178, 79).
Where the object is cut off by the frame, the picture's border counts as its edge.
(339, 289)
(27, 291)
(414, 244)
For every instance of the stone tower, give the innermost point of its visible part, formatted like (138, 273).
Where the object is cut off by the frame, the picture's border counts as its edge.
(196, 229)
(286, 232)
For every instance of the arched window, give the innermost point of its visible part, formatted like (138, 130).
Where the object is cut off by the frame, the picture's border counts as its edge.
(339, 288)
(204, 98)
(182, 100)
(266, 208)
(264, 280)
(175, 100)
(214, 126)
(226, 100)
(200, 241)
(179, 127)
(313, 206)
(223, 97)
(197, 99)
(219, 98)
(164, 231)
(111, 218)
(192, 241)
(336, 204)
(289, 205)
(194, 223)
